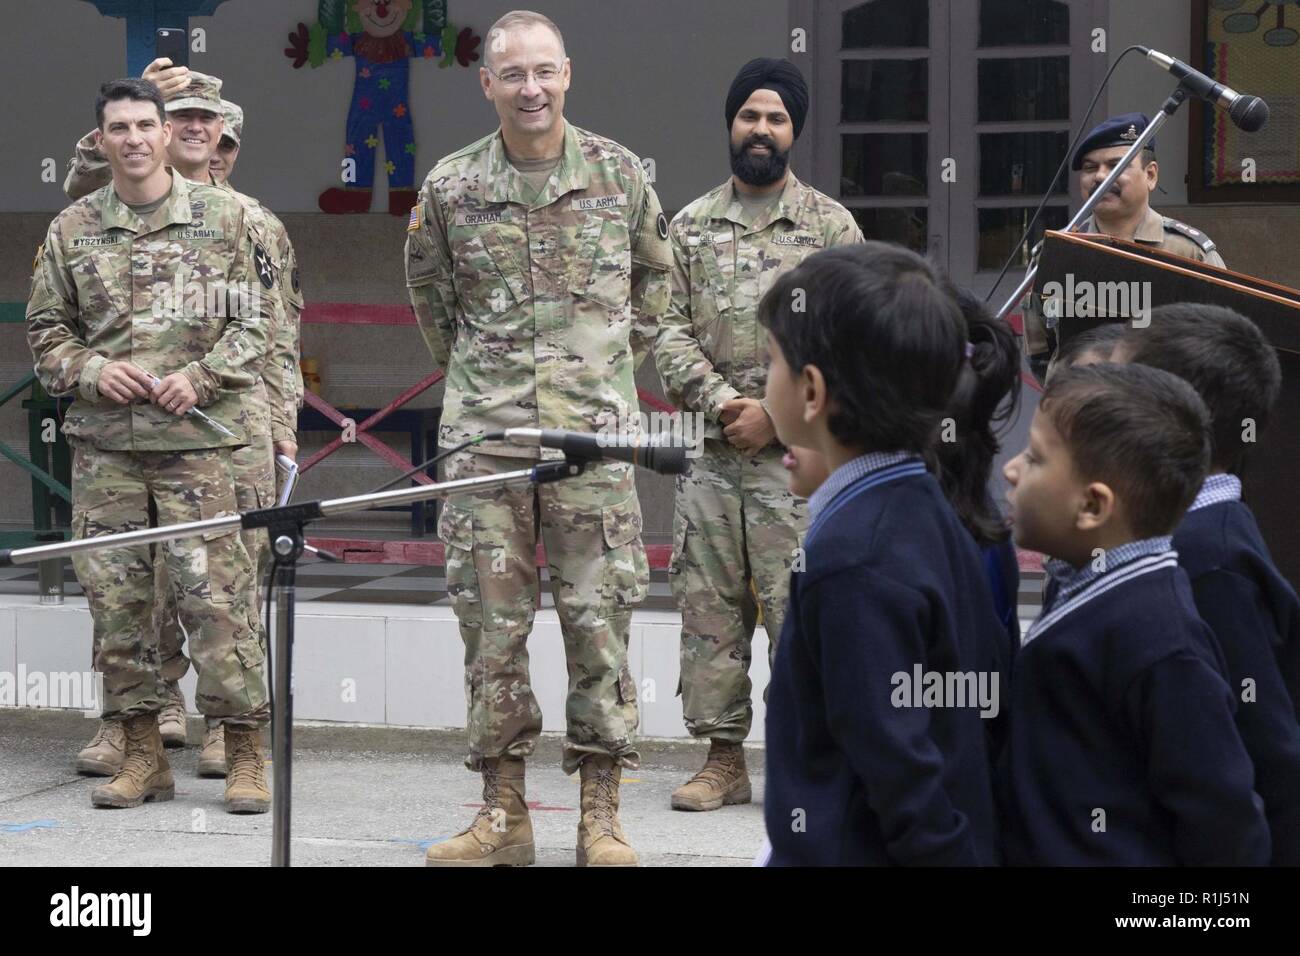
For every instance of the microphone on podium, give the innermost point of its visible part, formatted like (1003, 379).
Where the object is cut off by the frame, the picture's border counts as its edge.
(656, 455)
(1249, 113)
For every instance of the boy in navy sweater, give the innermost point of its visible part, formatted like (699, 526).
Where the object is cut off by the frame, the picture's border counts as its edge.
(1122, 746)
(1251, 608)
(889, 668)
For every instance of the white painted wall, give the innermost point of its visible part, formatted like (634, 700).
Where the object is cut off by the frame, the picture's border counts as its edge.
(405, 662)
(1139, 86)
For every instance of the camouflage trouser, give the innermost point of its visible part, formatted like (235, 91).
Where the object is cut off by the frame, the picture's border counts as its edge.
(735, 521)
(591, 527)
(212, 577)
(255, 487)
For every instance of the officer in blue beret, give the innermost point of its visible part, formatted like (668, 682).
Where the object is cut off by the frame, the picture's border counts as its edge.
(1124, 212)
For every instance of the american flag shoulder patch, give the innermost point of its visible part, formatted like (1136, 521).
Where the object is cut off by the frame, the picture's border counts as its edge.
(413, 224)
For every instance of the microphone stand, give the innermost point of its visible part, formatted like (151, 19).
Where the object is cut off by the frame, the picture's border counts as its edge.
(1176, 99)
(285, 526)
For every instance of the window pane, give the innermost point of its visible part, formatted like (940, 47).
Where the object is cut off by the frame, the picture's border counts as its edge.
(1012, 164)
(889, 90)
(1000, 228)
(883, 164)
(1020, 22)
(884, 23)
(1029, 89)
(907, 226)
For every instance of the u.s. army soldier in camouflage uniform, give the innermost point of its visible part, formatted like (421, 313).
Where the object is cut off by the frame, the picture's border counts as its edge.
(210, 124)
(537, 264)
(1125, 214)
(736, 521)
(105, 321)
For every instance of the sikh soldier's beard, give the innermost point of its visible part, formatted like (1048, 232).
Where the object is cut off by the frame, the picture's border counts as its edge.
(758, 170)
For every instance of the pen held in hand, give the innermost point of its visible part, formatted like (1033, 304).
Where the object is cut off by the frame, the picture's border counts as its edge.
(156, 381)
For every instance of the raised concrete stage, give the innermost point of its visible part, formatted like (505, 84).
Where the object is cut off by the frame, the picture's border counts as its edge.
(388, 664)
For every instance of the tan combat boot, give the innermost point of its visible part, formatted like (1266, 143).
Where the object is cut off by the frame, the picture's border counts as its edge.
(724, 780)
(502, 833)
(246, 789)
(103, 756)
(144, 774)
(171, 719)
(212, 758)
(600, 837)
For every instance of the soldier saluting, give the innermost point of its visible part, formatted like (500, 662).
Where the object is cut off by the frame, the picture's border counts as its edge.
(1124, 212)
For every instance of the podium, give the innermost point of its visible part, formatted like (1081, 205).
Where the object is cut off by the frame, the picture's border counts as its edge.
(1122, 277)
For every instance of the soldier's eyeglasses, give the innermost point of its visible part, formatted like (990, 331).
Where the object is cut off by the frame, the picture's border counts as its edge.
(544, 77)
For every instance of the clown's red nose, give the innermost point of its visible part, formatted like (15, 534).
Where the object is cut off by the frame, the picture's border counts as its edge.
(381, 10)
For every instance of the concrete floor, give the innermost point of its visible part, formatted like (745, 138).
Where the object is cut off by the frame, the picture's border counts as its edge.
(362, 796)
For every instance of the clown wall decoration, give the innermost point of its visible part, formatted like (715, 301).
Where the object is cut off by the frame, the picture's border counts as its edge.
(381, 36)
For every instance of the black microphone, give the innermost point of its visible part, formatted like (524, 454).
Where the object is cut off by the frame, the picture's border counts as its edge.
(663, 458)
(1249, 113)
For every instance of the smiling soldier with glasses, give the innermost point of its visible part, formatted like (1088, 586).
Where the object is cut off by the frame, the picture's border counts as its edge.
(537, 261)
(543, 76)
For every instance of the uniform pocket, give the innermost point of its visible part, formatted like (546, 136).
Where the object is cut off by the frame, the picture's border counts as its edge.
(679, 536)
(229, 570)
(603, 269)
(627, 573)
(100, 295)
(718, 284)
(251, 653)
(210, 508)
(456, 531)
(626, 687)
(497, 274)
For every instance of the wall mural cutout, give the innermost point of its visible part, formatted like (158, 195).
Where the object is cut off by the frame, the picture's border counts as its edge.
(382, 37)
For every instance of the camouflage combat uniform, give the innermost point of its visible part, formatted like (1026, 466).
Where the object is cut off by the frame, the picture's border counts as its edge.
(274, 399)
(735, 518)
(97, 296)
(272, 404)
(1158, 232)
(535, 310)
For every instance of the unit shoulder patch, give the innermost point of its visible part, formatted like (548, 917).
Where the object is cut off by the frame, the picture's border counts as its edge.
(262, 263)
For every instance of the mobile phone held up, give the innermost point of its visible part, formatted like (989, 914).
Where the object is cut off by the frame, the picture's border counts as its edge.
(172, 43)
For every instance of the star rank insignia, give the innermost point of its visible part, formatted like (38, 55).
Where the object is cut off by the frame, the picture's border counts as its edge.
(262, 262)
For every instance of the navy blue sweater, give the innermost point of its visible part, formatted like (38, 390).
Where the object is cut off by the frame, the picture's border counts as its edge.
(1255, 617)
(1120, 718)
(1002, 569)
(894, 581)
